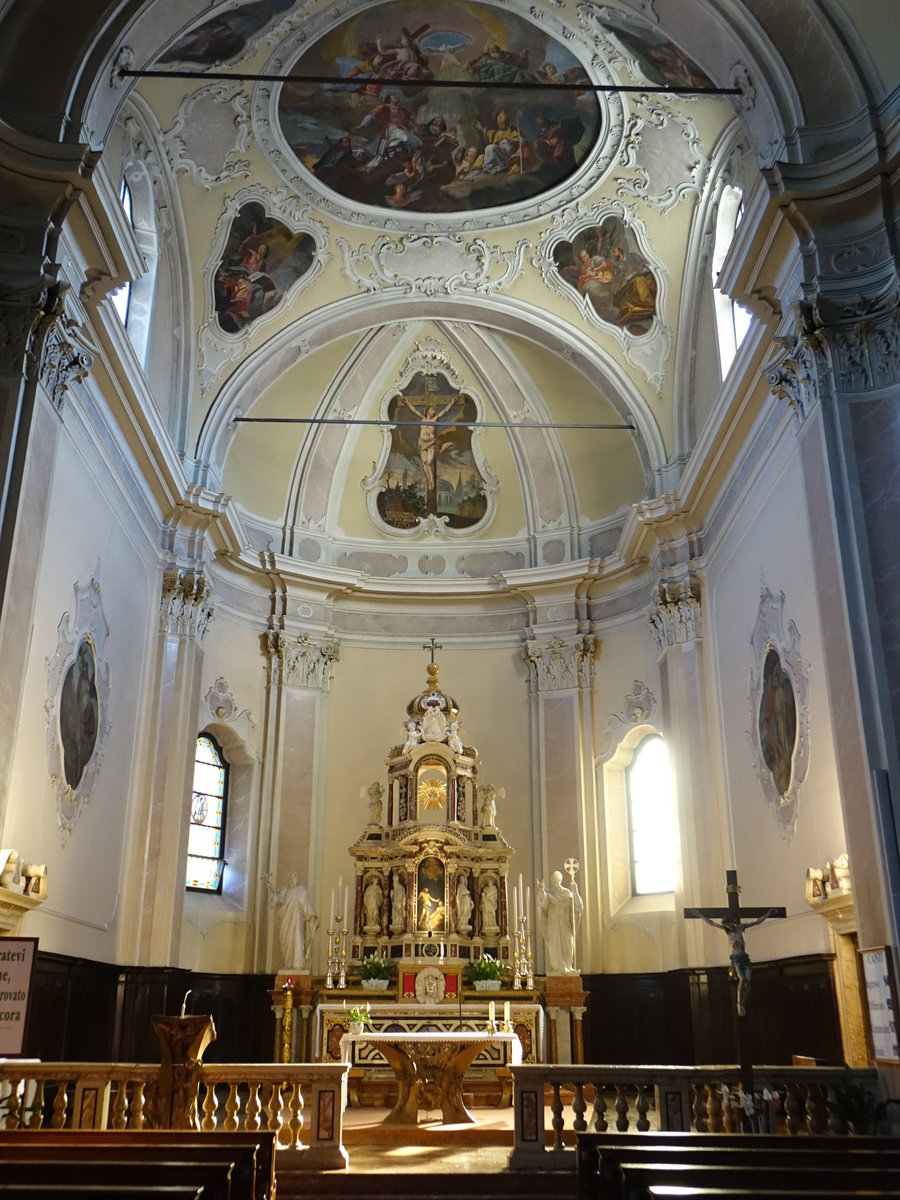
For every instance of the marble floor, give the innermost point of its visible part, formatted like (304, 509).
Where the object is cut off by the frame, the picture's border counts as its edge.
(431, 1146)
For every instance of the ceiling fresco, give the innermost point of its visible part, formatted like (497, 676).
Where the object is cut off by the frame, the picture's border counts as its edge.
(408, 144)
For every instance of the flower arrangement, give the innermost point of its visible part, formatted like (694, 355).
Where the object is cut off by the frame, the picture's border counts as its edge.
(486, 967)
(357, 1015)
(376, 966)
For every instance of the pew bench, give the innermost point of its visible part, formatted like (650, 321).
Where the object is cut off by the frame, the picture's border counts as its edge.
(83, 1191)
(638, 1177)
(247, 1159)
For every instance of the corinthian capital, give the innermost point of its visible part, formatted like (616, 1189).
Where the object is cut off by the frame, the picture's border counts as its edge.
(676, 611)
(186, 608)
(66, 358)
(561, 663)
(307, 663)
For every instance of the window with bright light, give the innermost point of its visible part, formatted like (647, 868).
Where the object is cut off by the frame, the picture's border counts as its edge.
(121, 297)
(651, 821)
(732, 320)
(206, 838)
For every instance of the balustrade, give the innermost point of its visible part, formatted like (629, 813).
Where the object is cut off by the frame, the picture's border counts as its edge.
(583, 1097)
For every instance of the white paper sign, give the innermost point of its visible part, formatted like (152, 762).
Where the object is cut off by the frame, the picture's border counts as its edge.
(880, 999)
(16, 962)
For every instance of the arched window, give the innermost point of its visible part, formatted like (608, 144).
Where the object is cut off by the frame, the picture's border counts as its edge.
(121, 297)
(651, 819)
(732, 321)
(206, 837)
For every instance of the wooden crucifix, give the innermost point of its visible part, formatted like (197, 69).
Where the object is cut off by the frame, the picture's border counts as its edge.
(733, 920)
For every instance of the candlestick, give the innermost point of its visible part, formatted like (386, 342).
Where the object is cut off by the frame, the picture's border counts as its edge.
(184, 1001)
(506, 1015)
(491, 1012)
(528, 900)
(346, 897)
(515, 912)
(331, 915)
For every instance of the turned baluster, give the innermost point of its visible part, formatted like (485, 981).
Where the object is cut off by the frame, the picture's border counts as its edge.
(598, 1117)
(836, 1122)
(138, 1104)
(642, 1105)
(296, 1121)
(794, 1109)
(13, 1105)
(700, 1110)
(578, 1108)
(251, 1117)
(621, 1108)
(232, 1104)
(716, 1123)
(210, 1104)
(60, 1104)
(36, 1120)
(274, 1109)
(120, 1106)
(556, 1108)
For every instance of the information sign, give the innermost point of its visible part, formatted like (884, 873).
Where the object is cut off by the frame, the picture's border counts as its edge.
(16, 966)
(881, 1000)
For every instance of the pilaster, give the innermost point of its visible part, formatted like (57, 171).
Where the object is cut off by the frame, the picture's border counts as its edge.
(185, 611)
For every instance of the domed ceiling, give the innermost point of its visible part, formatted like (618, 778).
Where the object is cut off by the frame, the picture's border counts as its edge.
(439, 261)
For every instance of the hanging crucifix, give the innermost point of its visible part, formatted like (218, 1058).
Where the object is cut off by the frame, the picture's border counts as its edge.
(731, 919)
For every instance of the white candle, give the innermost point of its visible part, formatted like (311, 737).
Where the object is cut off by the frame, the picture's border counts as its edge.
(331, 918)
(506, 1013)
(528, 900)
(346, 897)
(521, 891)
(491, 1012)
(515, 908)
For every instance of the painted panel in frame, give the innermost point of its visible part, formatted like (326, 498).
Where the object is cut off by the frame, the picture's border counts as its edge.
(430, 149)
(430, 911)
(777, 721)
(225, 36)
(262, 259)
(430, 467)
(605, 265)
(79, 712)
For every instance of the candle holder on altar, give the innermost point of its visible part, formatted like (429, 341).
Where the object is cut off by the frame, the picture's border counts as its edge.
(337, 954)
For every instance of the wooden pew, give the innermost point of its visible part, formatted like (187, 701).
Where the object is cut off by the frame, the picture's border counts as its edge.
(249, 1158)
(663, 1191)
(638, 1177)
(598, 1154)
(83, 1191)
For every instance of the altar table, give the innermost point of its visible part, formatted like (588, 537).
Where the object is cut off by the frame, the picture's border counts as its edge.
(430, 1068)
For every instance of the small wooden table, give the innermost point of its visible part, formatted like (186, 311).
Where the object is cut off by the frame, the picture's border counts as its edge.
(430, 1068)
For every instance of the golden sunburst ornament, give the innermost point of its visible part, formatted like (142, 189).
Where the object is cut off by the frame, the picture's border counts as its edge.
(432, 793)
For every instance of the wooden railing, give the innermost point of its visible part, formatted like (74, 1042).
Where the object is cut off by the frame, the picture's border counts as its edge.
(583, 1098)
(229, 1096)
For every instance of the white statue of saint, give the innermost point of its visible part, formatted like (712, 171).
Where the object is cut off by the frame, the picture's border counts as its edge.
(489, 896)
(297, 922)
(372, 898)
(489, 797)
(463, 906)
(454, 741)
(398, 906)
(375, 793)
(559, 915)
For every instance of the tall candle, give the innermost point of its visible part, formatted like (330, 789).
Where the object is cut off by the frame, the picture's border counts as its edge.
(506, 1013)
(346, 896)
(331, 918)
(491, 1012)
(515, 908)
(528, 900)
(521, 891)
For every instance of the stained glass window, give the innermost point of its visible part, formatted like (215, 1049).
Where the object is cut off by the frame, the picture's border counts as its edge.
(651, 819)
(206, 838)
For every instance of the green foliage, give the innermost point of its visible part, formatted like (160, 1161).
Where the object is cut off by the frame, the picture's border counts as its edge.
(486, 967)
(857, 1105)
(359, 1014)
(376, 967)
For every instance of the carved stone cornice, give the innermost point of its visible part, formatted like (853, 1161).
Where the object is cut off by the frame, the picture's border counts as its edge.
(676, 612)
(66, 358)
(304, 664)
(560, 664)
(186, 608)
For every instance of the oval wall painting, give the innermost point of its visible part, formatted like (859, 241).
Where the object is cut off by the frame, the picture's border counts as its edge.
(79, 712)
(406, 143)
(777, 721)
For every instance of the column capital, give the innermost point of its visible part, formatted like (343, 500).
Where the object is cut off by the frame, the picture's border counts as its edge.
(67, 357)
(304, 663)
(186, 608)
(676, 613)
(561, 663)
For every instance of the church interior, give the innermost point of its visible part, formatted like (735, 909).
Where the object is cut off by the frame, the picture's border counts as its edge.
(292, 693)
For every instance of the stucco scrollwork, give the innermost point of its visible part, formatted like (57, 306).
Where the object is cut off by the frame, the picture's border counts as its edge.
(650, 151)
(67, 358)
(432, 264)
(779, 710)
(77, 705)
(560, 663)
(203, 145)
(676, 613)
(186, 606)
(308, 663)
(217, 347)
(646, 343)
(637, 708)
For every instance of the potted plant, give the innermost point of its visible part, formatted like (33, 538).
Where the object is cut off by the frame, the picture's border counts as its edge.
(375, 972)
(358, 1017)
(855, 1104)
(486, 973)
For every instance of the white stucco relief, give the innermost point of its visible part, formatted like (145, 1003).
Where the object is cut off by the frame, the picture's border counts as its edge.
(210, 132)
(432, 264)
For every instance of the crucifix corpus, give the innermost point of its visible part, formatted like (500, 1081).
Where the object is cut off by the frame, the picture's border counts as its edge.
(733, 920)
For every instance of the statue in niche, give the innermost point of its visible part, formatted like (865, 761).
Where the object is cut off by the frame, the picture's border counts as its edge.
(489, 899)
(398, 906)
(463, 906)
(372, 900)
(559, 915)
(297, 921)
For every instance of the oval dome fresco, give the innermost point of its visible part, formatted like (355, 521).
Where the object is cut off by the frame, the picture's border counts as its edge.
(456, 107)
